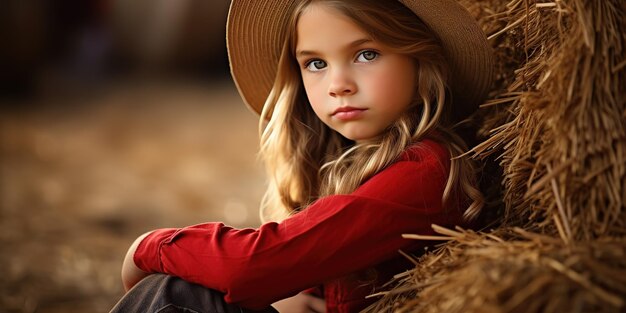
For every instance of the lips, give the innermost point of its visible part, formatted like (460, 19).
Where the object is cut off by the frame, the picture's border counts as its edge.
(348, 113)
(347, 109)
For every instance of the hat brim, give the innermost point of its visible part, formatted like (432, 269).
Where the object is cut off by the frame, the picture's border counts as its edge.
(256, 31)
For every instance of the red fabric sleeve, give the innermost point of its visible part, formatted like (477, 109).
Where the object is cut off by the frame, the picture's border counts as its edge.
(334, 236)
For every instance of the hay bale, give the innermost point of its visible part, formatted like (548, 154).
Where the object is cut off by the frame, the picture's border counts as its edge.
(559, 127)
(509, 271)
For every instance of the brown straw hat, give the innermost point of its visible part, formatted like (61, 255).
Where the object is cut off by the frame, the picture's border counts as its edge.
(256, 31)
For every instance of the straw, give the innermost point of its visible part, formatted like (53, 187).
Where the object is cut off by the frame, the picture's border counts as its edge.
(520, 271)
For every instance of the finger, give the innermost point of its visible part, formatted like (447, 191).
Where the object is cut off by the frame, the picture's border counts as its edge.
(316, 304)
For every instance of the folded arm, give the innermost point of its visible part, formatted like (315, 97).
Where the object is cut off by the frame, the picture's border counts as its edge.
(333, 237)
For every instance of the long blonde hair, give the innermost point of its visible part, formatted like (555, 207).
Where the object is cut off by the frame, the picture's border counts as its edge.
(306, 160)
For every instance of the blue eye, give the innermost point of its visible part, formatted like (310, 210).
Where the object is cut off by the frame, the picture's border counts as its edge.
(367, 56)
(315, 65)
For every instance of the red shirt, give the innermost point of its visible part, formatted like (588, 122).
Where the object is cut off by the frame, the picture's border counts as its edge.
(346, 243)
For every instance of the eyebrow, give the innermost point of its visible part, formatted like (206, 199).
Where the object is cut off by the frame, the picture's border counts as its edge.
(355, 43)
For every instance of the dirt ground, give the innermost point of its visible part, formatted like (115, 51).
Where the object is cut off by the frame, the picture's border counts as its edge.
(82, 176)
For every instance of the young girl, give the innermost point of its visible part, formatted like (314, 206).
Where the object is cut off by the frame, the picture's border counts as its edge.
(357, 100)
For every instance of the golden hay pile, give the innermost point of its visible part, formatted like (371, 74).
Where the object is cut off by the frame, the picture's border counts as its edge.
(512, 270)
(558, 123)
(555, 125)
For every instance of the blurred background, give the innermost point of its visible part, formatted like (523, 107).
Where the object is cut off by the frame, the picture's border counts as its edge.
(116, 117)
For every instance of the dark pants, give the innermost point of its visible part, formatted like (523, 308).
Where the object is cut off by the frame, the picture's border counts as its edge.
(160, 293)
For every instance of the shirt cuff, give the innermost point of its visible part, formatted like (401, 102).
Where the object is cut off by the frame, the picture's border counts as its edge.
(315, 291)
(147, 256)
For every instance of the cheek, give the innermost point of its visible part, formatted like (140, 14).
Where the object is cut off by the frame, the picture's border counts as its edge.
(313, 94)
(402, 83)
(393, 86)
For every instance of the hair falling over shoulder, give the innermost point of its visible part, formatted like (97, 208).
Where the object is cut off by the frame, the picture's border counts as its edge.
(306, 160)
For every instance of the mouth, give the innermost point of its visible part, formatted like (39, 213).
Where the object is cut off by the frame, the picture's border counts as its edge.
(347, 109)
(348, 113)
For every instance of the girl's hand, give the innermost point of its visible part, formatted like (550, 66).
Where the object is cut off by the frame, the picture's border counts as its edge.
(301, 303)
(131, 274)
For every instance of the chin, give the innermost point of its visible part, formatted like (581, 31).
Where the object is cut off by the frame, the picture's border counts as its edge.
(360, 139)
(357, 135)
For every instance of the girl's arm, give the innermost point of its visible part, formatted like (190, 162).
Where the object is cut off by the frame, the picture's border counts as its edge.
(301, 303)
(131, 274)
(333, 237)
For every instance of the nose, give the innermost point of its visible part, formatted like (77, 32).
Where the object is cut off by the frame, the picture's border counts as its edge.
(341, 84)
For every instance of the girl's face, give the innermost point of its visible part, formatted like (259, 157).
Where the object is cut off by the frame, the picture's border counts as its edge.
(355, 85)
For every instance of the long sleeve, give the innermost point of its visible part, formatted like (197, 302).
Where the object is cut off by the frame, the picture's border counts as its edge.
(334, 236)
